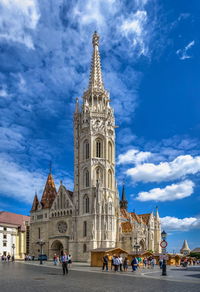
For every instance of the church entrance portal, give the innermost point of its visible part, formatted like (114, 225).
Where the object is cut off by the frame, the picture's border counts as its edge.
(56, 248)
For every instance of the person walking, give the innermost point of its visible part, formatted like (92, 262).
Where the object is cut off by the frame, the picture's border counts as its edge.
(69, 260)
(55, 260)
(125, 264)
(112, 262)
(64, 261)
(120, 263)
(134, 264)
(105, 263)
(145, 263)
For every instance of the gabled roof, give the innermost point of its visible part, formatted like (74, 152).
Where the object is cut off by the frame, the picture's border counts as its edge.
(49, 192)
(35, 203)
(14, 219)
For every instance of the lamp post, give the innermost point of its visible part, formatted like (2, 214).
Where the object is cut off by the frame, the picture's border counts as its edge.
(40, 242)
(13, 248)
(163, 244)
(136, 246)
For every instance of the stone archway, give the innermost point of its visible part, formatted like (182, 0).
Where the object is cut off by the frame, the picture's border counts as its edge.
(57, 248)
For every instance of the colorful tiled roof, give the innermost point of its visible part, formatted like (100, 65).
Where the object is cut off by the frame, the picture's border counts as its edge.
(145, 218)
(126, 226)
(49, 193)
(35, 203)
(14, 219)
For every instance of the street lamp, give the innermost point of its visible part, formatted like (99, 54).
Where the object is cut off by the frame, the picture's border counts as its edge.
(13, 248)
(40, 242)
(163, 244)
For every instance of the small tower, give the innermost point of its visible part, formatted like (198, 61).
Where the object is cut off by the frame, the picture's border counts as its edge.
(49, 192)
(123, 201)
(185, 250)
(35, 203)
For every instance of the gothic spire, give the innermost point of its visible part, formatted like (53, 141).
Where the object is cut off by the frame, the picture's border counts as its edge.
(96, 80)
(157, 214)
(123, 201)
(35, 203)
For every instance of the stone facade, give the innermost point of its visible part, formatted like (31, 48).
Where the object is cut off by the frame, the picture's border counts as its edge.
(91, 216)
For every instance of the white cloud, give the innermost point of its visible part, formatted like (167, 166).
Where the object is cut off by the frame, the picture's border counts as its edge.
(169, 193)
(165, 171)
(184, 224)
(20, 183)
(183, 53)
(133, 156)
(135, 27)
(18, 18)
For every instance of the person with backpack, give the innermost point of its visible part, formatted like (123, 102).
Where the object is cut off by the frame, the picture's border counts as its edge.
(64, 261)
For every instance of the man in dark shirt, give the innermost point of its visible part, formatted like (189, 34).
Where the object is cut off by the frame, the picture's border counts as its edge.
(64, 261)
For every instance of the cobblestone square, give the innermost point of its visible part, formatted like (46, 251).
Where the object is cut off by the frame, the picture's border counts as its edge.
(26, 277)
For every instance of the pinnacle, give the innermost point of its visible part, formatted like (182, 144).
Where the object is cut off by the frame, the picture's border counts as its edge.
(96, 80)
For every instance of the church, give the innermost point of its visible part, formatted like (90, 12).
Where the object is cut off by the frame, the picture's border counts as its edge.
(92, 215)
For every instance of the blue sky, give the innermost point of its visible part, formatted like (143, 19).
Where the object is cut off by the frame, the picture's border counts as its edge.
(151, 66)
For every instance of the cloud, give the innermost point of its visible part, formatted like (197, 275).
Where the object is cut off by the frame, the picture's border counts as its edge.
(18, 18)
(169, 193)
(165, 171)
(183, 53)
(176, 224)
(20, 183)
(134, 27)
(133, 156)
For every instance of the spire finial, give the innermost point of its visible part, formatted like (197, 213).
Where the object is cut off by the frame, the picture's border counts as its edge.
(50, 166)
(96, 80)
(77, 105)
(95, 39)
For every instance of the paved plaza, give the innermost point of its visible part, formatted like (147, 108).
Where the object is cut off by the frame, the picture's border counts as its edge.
(30, 276)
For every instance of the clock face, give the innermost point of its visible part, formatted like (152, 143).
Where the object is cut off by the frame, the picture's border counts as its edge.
(62, 227)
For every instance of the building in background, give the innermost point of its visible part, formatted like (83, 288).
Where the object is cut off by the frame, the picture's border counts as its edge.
(14, 234)
(92, 216)
(185, 250)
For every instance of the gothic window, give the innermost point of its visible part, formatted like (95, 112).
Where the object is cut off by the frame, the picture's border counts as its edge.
(99, 148)
(86, 150)
(84, 228)
(110, 183)
(39, 232)
(110, 152)
(86, 181)
(86, 207)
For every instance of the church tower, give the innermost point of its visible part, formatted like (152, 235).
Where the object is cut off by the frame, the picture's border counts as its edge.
(95, 191)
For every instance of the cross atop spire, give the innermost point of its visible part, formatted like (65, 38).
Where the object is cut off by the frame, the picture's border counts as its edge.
(96, 80)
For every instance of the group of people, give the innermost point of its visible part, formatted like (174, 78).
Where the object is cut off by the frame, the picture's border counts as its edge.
(121, 264)
(7, 258)
(65, 260)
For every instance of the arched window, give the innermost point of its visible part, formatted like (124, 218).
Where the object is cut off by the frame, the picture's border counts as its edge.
(86, 204)
(110, 183)
(86, 179)
(110, 152)
(99, 148)
(86, 149)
